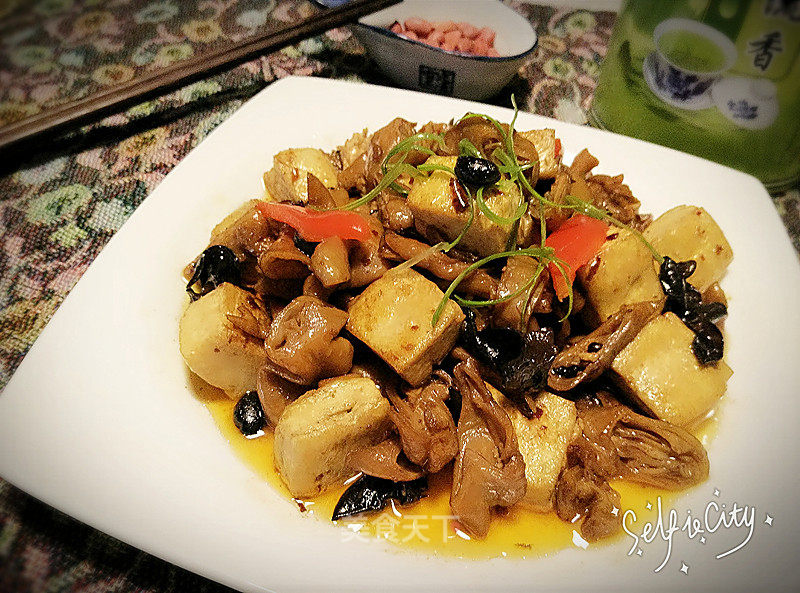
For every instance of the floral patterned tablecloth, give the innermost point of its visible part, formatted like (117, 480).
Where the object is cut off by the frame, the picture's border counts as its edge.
(59, 208)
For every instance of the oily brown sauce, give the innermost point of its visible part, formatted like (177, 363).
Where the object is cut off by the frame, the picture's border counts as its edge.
(427, 525)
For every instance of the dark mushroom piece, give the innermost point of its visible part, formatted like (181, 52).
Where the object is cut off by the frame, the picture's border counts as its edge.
(248, 415)
(686, 302)
(519, 363)
(369, 493)
(476, 172)
(586, 359)
(216, 265)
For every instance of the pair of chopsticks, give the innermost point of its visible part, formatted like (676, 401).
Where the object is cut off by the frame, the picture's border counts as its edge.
(149, 85)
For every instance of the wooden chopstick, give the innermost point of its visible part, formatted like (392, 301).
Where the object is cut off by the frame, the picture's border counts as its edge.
(152, 84)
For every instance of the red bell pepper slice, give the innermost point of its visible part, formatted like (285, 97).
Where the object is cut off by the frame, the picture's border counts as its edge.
(317, 226)
(575, 242)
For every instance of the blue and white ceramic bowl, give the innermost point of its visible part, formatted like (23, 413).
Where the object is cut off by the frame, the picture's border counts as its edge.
(417, 66)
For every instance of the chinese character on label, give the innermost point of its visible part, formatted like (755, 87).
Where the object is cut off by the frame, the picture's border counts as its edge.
(765, 48)
(789, 9)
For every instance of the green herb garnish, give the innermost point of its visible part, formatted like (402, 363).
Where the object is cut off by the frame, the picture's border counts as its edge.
(545, 253)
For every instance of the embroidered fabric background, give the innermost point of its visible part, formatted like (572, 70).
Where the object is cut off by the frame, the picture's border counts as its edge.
(59, 210)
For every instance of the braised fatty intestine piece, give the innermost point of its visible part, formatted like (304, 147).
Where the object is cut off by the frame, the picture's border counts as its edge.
(385, 460)
(329, 262)
(582, 494)
(319, 196)
(245, 231)
(352, 149)
(366, 262)
(557, 192)
(515, 313)
(613, 196)
(608, 193)
(582, 164)
(425, 425)
(282, 260)
(478, 131)
(489, 470)
(395, 214)
(441, 265)
(313, 287)
(617, 442)
(365, 171)
(586, 359)
(303, 344)
(253, 318)
(275, 393)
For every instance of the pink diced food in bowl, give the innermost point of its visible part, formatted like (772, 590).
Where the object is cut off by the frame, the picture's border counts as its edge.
(449, 36)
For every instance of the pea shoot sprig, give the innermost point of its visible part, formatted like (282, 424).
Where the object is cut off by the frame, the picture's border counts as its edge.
(545, 253)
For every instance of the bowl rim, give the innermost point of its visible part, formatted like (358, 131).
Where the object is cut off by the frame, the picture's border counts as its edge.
(391, 34)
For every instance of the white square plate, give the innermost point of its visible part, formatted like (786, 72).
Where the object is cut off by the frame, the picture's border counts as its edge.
(99, 421)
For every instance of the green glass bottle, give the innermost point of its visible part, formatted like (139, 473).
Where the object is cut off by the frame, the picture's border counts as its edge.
(715, 78)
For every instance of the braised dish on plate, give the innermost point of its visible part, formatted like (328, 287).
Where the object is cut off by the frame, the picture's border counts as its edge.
(453, 302)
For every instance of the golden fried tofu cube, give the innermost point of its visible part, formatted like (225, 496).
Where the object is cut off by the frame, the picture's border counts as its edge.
(659, 370)
(216, 350)
(287, 181)
(689, 232)
(621, 273)
(543, 442)
(432, 202)
(393, 317)
(319, 430)
(545, 143)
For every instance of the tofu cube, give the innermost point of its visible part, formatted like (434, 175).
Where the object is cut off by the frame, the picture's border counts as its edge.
(431, 201)
(216, 350)
(319, 430)
(660, 371)
(543, 442)
(621, 273)
(287, 181)
(689, 232)
(545, 143)
(393, 317)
